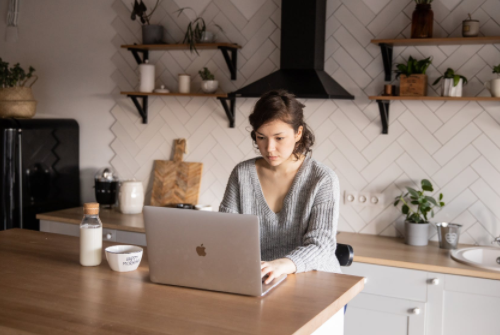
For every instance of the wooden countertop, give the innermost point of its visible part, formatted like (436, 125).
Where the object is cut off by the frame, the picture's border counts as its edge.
(388, 251)
(44, 290)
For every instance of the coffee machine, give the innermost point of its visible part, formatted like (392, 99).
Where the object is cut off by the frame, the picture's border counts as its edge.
(106, 187)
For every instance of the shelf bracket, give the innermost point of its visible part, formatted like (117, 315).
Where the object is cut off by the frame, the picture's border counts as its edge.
(386, 50)
(383, 106)
(135, 52)
(143, 110)
(229, 109)
(230, 61)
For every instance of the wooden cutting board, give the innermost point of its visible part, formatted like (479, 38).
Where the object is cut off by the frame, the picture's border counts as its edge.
(176, 181)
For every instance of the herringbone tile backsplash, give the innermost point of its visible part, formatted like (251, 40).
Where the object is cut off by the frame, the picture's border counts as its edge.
(454, 144)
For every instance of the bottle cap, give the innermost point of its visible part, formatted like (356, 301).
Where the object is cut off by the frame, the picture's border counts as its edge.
(91, 208)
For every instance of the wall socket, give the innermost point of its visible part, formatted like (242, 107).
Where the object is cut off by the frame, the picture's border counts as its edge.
(363, 198)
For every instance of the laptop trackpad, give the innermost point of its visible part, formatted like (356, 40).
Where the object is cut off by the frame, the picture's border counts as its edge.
(267, 287)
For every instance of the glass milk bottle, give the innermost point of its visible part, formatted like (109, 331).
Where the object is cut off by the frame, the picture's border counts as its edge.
(90, 236)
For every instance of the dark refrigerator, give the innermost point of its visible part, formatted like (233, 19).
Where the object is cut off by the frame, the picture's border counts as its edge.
(39, 169)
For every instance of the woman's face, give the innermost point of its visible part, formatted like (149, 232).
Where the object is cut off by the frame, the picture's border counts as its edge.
(276, 141)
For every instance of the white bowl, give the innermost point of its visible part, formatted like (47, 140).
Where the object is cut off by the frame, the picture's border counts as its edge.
(124, 258)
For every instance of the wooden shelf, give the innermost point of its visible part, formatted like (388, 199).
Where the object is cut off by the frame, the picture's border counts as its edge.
(439, 41)
(381, 97)
(154, 47)
(208, 95)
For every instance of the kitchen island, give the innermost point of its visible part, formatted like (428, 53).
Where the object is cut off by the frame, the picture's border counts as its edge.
(44, 290)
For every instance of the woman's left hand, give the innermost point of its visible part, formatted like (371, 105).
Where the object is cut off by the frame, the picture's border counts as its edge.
(276, 268)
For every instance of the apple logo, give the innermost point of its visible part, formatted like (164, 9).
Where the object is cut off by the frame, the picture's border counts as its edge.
(201, 250)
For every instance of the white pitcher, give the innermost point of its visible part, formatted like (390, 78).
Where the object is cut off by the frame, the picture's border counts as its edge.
(494, 87)
(131, 197)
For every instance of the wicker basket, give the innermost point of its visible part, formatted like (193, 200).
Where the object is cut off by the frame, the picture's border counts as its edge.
(17, 102)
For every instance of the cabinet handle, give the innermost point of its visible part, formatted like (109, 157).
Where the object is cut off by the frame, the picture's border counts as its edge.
(435, 281)
(108, 236)
(415, 311)
(366, 280)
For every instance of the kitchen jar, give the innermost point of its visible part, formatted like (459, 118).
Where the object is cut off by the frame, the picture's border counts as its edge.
(131, 197)
(106, 186)
(184, 83)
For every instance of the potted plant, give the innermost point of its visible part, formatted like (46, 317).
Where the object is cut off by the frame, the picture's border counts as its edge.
(208, 84)
(413, 80)
(16, 97)
(422, 20)
(416, 222)
(494, 85)
(196, 31)
(452, 83)
(151, 33)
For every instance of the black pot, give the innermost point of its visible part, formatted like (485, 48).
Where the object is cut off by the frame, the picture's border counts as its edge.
(152, 34)
(105, 192)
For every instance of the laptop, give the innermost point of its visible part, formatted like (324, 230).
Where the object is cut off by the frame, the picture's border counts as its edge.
(205, 250)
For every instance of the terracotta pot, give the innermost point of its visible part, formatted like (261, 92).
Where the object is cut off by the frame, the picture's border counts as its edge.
(414, 85)
(17, 102)
(422, 21)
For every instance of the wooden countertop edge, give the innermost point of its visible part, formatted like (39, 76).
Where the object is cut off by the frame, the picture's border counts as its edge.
(104, 224)
(330, 311)
(472, 272)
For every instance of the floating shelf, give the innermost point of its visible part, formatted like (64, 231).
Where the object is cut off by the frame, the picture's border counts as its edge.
(222, 97)
(225, 48)
(384, 102)
(386, 46)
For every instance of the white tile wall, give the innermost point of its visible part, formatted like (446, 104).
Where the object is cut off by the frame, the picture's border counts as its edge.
(454, 144)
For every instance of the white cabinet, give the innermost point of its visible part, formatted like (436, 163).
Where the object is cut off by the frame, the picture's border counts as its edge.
(111, 235)
(446, 304)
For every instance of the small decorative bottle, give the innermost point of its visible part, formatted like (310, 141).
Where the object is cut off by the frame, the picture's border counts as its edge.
(91, 236)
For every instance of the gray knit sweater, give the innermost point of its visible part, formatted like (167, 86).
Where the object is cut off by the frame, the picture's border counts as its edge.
(305, 228)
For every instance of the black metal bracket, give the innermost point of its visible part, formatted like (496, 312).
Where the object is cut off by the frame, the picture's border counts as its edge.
(386, 50)
(230, 61)
(143, 110)
(383, 106)
(135, 52)
(229, 109)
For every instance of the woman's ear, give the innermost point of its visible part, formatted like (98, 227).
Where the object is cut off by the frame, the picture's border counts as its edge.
(298, 135)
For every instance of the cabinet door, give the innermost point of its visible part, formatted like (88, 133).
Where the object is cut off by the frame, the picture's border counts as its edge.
(379, 315)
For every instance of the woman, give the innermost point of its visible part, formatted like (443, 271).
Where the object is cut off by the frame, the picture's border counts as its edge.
(294, 196)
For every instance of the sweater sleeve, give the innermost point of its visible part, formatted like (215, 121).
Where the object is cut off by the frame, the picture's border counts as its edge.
(319, 241)
(231, 201)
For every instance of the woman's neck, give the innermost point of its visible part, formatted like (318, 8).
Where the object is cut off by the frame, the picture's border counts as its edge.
(292, 164)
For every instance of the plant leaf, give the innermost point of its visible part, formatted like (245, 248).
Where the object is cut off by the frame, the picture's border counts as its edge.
(412, 191)
(405, 209)
(440, 196)
(426, 185)
(432, 200)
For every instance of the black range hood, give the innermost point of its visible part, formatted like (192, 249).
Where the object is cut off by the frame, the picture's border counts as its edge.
(302, 56)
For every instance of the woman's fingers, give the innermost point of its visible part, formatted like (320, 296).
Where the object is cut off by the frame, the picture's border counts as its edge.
(270, 278)
(265, 271)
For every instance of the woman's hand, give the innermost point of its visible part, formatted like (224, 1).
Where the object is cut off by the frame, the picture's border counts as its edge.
(276, 268)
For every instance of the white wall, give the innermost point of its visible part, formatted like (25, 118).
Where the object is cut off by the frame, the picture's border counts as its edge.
(68, 42)
(454, 144)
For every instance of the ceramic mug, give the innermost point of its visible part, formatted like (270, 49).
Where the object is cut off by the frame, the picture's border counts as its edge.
(494, 87)
(131, 197)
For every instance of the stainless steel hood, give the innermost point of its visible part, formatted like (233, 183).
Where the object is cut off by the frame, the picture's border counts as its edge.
(302, 56)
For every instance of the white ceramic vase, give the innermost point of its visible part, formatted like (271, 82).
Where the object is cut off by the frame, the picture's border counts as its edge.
(209, 86)
(448, 90)
(494, 87)
(416, 233)
(131, 197)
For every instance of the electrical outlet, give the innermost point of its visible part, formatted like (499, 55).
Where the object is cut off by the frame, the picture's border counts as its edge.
(363, 198)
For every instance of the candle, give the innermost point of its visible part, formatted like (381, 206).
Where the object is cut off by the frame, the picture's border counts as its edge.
(470, 27)
(184, 83)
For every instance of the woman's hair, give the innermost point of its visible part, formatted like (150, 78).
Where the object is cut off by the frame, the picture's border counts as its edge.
(281, 105)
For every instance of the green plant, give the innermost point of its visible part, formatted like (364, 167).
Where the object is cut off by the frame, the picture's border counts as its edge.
(14, 76)
(424, 203)
(450, 74)
(206, 74)
(139, 10)
(423, 2)
(194, 29)
(413, 66)
(496, 69)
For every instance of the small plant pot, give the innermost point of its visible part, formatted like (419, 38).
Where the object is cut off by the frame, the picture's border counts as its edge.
(209, 86)
(414, 85)
(17, 102)
(494, 87)
(152, 34)
(448, 90)
(206, 37)
(416, 234)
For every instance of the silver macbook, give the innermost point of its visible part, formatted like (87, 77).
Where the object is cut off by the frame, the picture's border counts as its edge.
(205, 250)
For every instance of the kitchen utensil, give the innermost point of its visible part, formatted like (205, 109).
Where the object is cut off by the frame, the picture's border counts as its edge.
(448, 234)
(176, 181)
(124, 258)
(106, 185)
(131, 197)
